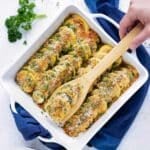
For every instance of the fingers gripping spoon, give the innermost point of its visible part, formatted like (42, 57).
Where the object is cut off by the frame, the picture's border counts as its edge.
(68, 98)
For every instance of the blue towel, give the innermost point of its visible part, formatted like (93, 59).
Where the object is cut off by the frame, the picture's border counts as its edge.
(109, 137)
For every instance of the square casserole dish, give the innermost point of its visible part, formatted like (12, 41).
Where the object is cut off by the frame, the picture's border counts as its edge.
(58, 135)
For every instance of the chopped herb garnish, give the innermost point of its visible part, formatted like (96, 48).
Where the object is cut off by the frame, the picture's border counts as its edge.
(25, 42)
(71, 26)
(67, 49)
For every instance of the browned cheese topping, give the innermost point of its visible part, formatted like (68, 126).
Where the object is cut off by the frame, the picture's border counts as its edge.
(73, 50)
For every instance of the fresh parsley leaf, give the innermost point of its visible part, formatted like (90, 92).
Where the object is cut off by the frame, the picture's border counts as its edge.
(22, 21)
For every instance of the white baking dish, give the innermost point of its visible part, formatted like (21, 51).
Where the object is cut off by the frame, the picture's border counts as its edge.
(77, 143)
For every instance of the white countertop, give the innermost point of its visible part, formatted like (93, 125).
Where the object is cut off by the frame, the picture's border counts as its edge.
(137, 138)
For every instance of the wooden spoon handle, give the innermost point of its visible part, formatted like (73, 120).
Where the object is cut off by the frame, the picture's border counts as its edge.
(113, 55)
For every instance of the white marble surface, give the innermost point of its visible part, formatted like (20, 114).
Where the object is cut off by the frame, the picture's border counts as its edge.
(137, 138)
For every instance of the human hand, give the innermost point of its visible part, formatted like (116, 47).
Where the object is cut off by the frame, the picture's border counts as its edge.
(139, 11)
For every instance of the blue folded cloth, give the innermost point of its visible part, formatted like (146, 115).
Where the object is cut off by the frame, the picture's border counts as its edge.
(30, 128)
(109, 137)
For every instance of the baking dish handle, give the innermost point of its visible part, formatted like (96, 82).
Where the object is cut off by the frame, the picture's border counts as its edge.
(12, 105)
(49, 141)
(110, 20)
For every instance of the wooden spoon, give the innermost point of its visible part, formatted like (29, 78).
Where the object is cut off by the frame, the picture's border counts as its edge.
(82, 85)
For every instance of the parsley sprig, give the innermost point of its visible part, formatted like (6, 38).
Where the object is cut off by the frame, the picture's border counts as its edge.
(22, 21)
